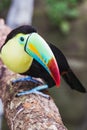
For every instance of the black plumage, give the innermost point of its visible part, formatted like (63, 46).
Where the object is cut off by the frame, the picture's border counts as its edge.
(36, 70)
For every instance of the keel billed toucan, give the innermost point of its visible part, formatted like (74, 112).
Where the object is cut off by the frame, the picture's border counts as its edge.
(26, 52)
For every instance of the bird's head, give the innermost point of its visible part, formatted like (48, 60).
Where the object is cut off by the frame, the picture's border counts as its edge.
(23, 45)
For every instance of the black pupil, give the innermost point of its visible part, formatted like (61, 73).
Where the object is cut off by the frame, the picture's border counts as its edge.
(22, 39)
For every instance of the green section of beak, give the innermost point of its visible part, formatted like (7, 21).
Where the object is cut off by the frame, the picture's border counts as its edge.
(37, 48)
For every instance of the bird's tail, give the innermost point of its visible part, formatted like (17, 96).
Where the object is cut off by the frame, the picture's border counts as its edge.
(73, 81)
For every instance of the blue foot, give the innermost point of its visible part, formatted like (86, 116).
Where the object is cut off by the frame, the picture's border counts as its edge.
(26, 78)
(35, 90)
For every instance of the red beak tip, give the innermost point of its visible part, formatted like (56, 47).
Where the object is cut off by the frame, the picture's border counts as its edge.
(54, 69)
(58, 83)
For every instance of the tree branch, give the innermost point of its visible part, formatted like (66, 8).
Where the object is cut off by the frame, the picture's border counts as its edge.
(28, 112)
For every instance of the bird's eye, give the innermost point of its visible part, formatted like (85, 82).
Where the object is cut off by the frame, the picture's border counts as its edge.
(21, 39)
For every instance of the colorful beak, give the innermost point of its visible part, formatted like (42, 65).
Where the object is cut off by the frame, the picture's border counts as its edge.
(37, 48)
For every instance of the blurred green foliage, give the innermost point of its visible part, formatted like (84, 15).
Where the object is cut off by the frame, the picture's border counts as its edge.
(61, 12)
(4, 5)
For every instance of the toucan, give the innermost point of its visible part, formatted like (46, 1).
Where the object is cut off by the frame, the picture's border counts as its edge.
(27, 53)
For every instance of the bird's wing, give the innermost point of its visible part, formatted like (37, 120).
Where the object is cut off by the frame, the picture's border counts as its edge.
(65, 70)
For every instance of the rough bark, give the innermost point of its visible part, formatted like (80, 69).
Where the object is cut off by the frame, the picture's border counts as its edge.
(28, 112)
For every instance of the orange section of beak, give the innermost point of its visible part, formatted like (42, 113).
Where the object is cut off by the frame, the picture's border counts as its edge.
(53, 67)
